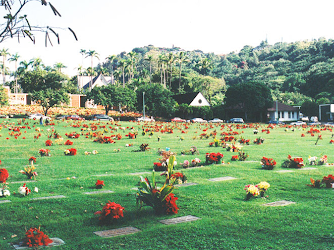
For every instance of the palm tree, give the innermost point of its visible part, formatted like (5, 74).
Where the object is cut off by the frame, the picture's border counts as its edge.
(92, 54)
(111, 60)
(58, 66)
(36, 63)
(132, 60)
(24, 66)
(117, 73)
(123, 64)
(15, 57)
(4, 53)
(149, 58)
(162, 62)
(82, 52)
(170, 62)
(180, 59)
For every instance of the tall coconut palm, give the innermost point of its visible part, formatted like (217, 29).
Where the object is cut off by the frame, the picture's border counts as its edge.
(92, 54)
(180, 59)
(111, 60)
(149, 58)
(170, 62)
(117, 73)
(58, 66)
(132, 60)
(14, 58)
(36, 63)
(80, 73)
(4, 53)
(122, 63)
(162, 62)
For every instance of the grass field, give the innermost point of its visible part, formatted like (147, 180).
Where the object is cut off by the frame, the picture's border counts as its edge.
(227, 220)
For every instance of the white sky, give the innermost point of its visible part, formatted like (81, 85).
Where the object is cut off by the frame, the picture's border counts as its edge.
(219, 26)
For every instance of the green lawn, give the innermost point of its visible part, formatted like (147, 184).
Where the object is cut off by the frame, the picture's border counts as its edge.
(227, 220)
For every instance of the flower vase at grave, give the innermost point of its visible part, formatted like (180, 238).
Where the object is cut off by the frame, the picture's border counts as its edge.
(262, 194)
(248, 196)
(99, 186)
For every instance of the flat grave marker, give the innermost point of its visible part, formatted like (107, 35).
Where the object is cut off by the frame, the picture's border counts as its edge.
(139, 173)
(279, 203)
(4, 201)
(179, 220)
(284, 171)
(117, 232)
(307, 168)
(49, 197)
(56, 242)
(225, 178)
(186, 184)
(15, 182)
(100, 192)
(99, 175)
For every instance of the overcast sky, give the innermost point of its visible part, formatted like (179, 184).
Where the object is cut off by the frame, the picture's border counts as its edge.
(218, 26)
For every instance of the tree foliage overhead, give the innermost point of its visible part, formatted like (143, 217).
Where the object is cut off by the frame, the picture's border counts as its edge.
(16, 24)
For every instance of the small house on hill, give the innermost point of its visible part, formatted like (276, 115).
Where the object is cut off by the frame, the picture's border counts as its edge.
(192, 99)
(283, 112)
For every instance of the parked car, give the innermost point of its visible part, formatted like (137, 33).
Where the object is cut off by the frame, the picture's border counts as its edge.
(74, 117)
(298, 123)
(177, 119)
(314, 123)
(236, 120)
(145, 119)
(199, 120)
(38, 116)
(62, 117)
(276, 122)
(102, 117)
(216, 120)
(331, 124)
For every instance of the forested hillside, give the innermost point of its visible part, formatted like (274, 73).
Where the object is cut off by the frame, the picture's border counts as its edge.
(294, 72)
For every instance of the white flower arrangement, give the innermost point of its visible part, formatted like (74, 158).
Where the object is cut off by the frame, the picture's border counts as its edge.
(4, 192)
(24, 190)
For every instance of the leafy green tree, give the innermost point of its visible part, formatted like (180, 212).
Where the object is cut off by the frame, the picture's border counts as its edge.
(253, 99)
(112, 95)
(49, 98)
(158, 100)
(3, 97)
(310, 108)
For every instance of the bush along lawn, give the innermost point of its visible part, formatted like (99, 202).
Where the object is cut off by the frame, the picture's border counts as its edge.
(91, 184)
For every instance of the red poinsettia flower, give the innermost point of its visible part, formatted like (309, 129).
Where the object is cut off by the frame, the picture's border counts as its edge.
(110, 212)
(48, 143)
(32, 159)
(3, 175)
(68, 142)
(169, 205)
(35, 238)
(99, 184)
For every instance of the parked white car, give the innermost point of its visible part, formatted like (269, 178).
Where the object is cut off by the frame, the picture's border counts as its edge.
(38, 116)
(145, 119)
(199, 120)
(216, 120)
(298, 123)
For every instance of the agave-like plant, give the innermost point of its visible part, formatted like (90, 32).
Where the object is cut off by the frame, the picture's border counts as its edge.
(151, 195)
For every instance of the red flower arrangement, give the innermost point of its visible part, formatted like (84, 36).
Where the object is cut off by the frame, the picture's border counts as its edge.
(296, 162)
(68, 142)
(99, 184)
(48, 143)
(235, 158)
(213, 158)
(32, 159)
(3, 175)
(331, 141)
(268, 163)
(328, 180)
(44, 152)
(158, 166)
(71, 151)
(169, 206)
(111, 211)
(34, 238)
